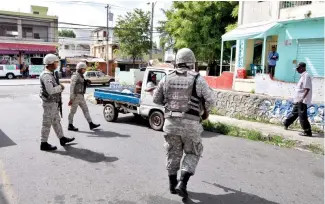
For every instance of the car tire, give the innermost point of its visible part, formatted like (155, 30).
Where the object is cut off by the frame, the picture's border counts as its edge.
(110, 113)
(156, 120)
(10, 76)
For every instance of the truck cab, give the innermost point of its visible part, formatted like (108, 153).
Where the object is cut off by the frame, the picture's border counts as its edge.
(118, 100)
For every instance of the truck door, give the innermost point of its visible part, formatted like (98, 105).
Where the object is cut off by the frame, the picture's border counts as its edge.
(2, 71)
(147, 96)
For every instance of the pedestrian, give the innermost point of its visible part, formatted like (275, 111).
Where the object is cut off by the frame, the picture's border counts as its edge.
(50, 94)
(77, 91)
(273, 57)
(302, 99)
(182, 92)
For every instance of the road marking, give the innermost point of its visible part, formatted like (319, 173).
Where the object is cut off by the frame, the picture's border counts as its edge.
(7, 189)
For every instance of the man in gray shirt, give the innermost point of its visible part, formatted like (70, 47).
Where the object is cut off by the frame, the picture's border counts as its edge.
(302, 99)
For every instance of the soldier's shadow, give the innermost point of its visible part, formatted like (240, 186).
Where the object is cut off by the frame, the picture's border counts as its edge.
(232, 197)
(104, 134)
(85, 154)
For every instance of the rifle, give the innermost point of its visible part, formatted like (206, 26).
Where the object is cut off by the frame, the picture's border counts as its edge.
(57, 79)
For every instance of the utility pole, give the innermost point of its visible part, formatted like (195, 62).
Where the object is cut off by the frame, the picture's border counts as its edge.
(151, 29)
(107, 34)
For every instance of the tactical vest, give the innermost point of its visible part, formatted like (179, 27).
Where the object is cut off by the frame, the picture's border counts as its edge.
(80, 87)
(181, 96)
(43, 93)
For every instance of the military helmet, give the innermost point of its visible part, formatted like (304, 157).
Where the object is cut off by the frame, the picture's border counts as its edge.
(81, 65)
(50, 59)
(185, 56)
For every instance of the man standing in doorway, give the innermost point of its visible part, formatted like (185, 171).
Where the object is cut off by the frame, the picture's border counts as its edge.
(50, 95)
(302, 99)
(272, 59)
(77, 91)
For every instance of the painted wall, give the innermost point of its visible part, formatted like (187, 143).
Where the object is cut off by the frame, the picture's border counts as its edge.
(224, 81)
(287, 53)
(272, 109)
(244, 85)
(264, 85)
(249, 53)
(316, 8)
(254, 11)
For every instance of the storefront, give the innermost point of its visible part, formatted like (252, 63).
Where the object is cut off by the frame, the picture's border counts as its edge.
(30, 54)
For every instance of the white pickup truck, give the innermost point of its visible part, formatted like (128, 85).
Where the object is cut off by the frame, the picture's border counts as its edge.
(9, 71)
(117, 100)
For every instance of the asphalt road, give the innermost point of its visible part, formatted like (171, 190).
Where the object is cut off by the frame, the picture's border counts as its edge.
(123, 163)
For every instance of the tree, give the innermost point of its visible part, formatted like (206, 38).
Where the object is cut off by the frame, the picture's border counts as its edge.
(199, 26)
(234, 14)
(67, 33)
(133, 32)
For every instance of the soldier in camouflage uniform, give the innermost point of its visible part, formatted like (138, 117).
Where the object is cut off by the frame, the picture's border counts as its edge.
(50, 95)
(185, 95)
(77, 91)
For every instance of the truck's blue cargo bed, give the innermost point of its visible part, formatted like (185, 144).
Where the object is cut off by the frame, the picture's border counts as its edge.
(117, 96)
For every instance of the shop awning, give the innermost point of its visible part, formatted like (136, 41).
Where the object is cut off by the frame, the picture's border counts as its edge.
(252, 32)
(26, 47)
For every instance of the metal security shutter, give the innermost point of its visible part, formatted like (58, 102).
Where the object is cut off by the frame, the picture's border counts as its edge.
(311, 51)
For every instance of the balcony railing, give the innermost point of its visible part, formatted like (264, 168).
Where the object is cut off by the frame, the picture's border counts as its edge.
(291, 4)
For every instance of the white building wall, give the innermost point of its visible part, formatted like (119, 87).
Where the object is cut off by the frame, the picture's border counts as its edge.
(316, 8)
(72, 47)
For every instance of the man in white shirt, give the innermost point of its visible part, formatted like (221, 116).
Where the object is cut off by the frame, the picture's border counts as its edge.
(302, 99)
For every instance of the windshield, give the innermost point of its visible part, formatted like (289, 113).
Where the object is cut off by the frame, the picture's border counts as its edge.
(100, 74)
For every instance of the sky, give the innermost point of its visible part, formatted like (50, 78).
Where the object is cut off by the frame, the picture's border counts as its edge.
(91, 13)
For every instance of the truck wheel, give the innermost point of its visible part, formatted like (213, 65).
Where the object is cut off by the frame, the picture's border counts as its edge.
(156, 120)
(110, 113)
(10, 76)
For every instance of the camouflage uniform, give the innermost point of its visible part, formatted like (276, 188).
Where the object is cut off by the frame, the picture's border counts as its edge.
(183, 92)
(77, 91)
(51, 115)
(183, 134)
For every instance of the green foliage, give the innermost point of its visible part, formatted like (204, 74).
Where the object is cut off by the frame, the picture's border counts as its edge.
(234, 14)
(94, 67)
(133, 31)
(199, 26)
(67, 33)
(250, 134)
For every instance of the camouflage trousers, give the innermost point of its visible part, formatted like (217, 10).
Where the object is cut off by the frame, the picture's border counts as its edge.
(183, 137)
(51, 118)
(79, 101)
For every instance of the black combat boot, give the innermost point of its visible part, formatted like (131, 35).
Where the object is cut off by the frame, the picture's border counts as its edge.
(93, 126)
(182, 184)
(47, 147)
(72, 128)
(172, 184)
(65, 140)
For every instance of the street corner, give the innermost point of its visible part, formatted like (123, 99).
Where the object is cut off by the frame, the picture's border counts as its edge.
(90, 98)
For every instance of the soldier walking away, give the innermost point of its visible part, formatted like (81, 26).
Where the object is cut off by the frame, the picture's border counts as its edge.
(183, 93)
(77, 91)
(50, 95)
(302, 99)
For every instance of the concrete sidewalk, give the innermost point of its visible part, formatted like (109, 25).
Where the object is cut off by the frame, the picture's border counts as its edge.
(268, 129)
